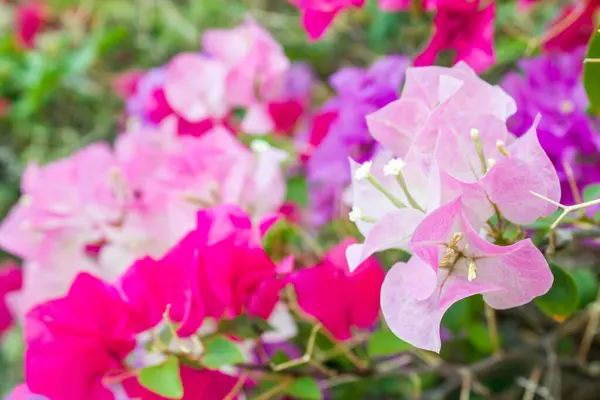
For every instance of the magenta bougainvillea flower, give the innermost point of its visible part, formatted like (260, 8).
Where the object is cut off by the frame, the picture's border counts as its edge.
(572, 27)
(467, 27)
(11, 280)
(339, 298)
(30, 19)
(450, 262)
(218, 270)
(551, 85)
(339, 130)
(317, 15)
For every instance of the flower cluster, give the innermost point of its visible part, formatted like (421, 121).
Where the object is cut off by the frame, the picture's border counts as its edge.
(448, 164)
(242, 70)
(552, 85)
(102, 208)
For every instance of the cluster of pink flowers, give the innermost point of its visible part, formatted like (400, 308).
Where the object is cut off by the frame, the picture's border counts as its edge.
(107, 332)
(448, 164)
(240, 70)
(102, 208)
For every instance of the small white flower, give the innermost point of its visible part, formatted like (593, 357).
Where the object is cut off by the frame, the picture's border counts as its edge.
(260, 146)
(491, 162)
(355, 215)
(474, 133)
(363, 171)
(499, 143)
(393, 167)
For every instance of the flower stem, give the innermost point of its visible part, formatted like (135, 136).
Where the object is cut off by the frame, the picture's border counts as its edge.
(385, 192)
(411, 200)
(490, 316)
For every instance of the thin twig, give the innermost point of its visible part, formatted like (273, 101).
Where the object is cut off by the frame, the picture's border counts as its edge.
(490, 316)
(532, 383)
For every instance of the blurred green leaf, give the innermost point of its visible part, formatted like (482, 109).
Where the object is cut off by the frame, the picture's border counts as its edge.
(384, 343)
(587, 286)
(591, 73)
(163, 379)
(305, 388)
(479, 337)
(220, 352)
(591, 192)
(562, 299)
(244, 326)
(297, 191)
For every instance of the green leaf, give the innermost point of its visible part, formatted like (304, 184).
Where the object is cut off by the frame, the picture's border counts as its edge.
(220, 352)
(562, 299)
(592, 192)
(479, 337)
(305, 388)
(385, 343)
(591, 73)
(163, 379)
(244, 326)
(587, 286)
(297, 191)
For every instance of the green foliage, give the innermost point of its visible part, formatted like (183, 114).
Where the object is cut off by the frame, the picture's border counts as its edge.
(220, 352)
(562, 299)
(304, 388)
(591, 73)
(163, 379)
(385, 343)
(244, 326)
(591, 192)
(587, 286)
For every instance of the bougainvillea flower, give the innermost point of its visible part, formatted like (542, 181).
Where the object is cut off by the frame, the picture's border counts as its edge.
(399, 125)
(566, 132)
(29, 22)
(360, 92)
(451, 262)
(338, 298)
(67, 200)
(11, 280)
(72, 342)
(390, 198)
(195, 86)
(126, 83)
(254, 60)
(572, 27)
(467, 27)
(317, 15)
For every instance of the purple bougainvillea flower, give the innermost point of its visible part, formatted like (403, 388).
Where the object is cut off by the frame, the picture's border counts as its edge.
(551, 85)
(11, 280)
(451, 262)
(467, 27)
(340, 130)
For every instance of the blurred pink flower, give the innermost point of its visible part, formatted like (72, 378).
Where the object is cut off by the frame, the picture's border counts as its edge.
(451, 262)
(339, 298)
(467, 27)
(11, 280)
(317, 15)
(29, 22)
(195, 87)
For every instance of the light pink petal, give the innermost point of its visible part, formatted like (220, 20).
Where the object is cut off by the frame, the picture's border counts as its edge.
(195, 87)
(418, 322)
(396, 125)
(257, 120)
(435, 230)
(392, 231)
